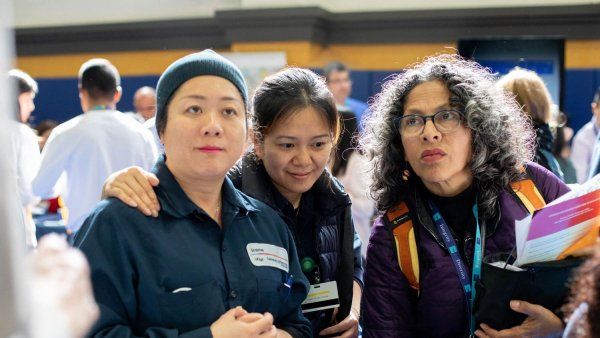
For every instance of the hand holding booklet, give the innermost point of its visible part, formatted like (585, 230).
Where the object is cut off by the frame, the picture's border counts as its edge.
(564, 226)
(539, 274)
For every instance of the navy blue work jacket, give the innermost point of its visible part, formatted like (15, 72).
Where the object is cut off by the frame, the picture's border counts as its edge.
(174, 275)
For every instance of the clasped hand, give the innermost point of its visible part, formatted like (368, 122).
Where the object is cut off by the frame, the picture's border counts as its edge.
(238, 323)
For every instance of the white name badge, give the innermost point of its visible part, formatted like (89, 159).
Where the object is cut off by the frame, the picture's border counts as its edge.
(262, 254)
(321, 296)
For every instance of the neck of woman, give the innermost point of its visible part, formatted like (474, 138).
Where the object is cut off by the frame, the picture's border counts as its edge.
(293, 198)
(457, 212)
(206, 195)
(451, 187)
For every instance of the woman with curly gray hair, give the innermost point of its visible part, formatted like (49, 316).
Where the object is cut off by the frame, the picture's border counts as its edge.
(447, 149)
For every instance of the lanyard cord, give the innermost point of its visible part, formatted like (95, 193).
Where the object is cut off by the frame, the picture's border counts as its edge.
(99, 107)
(468, 284)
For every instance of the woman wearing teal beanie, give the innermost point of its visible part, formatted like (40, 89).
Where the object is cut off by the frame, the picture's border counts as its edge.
(214, 262)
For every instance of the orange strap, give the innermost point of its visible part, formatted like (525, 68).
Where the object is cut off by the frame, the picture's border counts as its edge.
(406, 246)
(528, 194)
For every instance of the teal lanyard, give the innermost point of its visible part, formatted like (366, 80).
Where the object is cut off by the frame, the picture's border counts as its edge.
(467, 283)
(99, 107)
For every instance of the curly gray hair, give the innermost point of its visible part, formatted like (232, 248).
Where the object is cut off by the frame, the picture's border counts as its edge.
(502, 136)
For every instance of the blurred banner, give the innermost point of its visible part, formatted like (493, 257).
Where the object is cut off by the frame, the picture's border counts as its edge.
(257, 65)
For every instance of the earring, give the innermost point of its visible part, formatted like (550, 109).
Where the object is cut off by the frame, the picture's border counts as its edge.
(406, 171)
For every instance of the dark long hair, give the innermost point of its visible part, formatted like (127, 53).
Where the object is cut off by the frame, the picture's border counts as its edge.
(285, 93)
(347, 144)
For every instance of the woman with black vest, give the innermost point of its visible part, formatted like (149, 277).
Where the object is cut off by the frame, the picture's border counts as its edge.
(295, 126)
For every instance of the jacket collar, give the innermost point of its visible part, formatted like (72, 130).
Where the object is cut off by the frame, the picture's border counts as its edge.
(544, 137)
(175, 202)
(424, 218)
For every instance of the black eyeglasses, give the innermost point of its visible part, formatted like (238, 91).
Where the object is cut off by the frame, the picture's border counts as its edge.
(445, 121)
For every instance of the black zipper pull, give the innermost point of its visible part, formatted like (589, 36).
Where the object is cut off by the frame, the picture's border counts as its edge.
(317, 275)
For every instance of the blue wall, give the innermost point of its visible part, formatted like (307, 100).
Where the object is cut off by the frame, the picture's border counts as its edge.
(366, 84)
(580, 86)
(58, 99)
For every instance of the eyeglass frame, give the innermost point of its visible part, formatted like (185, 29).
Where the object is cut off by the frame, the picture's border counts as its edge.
(461, 114)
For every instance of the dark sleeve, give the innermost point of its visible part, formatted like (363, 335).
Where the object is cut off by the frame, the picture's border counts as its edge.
(293, 321)
(104, 242)
(549, 185)
(358, 261)
(388, 303)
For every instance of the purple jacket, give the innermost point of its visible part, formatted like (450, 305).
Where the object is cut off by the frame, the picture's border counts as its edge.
(391, 309)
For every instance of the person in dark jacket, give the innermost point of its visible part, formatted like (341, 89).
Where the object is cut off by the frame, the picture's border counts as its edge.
(215, 262)
(534, 98)
(446, 142)
(296, 126)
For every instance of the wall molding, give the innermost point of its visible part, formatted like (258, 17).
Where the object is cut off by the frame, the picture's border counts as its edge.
(316, 25)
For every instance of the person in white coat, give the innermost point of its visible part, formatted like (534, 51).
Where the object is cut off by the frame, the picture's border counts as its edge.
(26, 151)
(91, 146)
(583, 142)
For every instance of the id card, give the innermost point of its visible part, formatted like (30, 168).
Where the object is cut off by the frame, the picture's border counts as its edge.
(321, 297)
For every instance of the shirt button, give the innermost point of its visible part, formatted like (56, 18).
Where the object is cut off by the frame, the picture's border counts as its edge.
(224, 248)
(233, 294)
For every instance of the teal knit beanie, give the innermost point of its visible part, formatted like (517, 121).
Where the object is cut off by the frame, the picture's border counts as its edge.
(206, 62)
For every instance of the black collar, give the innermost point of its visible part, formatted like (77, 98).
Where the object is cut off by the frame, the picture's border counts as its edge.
(175, 202)
(421, 211)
